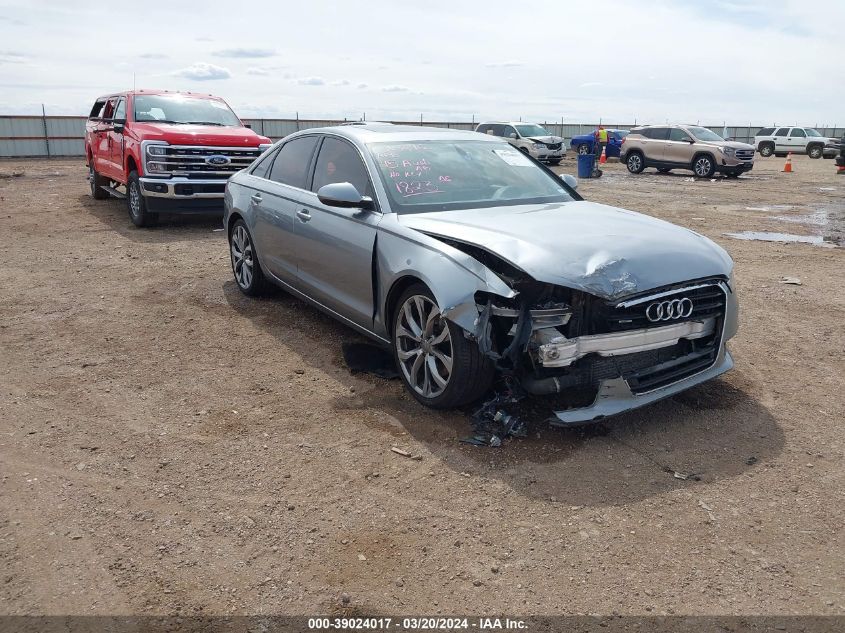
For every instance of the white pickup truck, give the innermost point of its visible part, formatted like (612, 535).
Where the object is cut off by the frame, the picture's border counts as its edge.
(798, 140)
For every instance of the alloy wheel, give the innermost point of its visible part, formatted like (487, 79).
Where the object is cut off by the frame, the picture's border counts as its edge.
(242, 261)
(634, 162)
(702, 167)
(424, 346)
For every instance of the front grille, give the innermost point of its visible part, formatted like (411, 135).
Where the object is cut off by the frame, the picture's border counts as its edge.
(708, 300)
(191, 162)
(553, 145)
(745, 154)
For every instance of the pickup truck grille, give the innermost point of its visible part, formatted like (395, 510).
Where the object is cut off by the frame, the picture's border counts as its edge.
(745, 154)
(193, 162)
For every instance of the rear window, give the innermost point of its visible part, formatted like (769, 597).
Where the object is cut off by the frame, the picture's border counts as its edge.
(657, 133)
(782, 131)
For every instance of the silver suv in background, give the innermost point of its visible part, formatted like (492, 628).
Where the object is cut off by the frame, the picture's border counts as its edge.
(692, 147)
(798, 140)
(530, 138)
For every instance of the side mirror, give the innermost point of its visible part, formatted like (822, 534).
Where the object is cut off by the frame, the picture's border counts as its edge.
(512, 135)
(343, 195)
(118, 125)
(690, 140)
(570, 180)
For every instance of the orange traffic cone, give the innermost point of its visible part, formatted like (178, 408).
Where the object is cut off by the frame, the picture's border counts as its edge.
(787, 166)
(603, 158)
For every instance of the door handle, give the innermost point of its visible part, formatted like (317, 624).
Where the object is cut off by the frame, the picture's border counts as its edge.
(256, 198)
(303, 215)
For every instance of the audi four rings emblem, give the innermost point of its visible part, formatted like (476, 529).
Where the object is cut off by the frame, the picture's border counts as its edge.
(669, 310)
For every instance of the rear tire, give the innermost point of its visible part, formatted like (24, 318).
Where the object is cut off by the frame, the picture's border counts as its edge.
(704, 166)
(440, 366)
(766, 149)
(635, 162)
(136, 203)
(97, 183)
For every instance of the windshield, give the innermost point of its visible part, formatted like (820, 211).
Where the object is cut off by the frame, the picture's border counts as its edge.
(182, 109)
(445, 175)
(532, 130)
(811, 132)
(703, 134)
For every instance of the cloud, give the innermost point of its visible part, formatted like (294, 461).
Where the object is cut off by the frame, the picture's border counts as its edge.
(12, 57)
(590, 84)
(311, 81)
(257, 70)
(361, 86)
(340, 82)
(395, 88)
(153, 56)
(245, 53)
(202, 71)
(506, 64)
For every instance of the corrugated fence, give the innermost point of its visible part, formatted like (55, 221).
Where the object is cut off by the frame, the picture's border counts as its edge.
(51, 136)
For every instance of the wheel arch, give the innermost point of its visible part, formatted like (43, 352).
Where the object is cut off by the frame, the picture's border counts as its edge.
(392, 299)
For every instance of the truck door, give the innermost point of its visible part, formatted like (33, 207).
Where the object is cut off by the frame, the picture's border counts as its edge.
(115, 141)
(100, 142)
(781, 144)
(797, 141)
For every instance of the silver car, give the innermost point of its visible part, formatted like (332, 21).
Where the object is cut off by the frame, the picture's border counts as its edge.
(469, 259)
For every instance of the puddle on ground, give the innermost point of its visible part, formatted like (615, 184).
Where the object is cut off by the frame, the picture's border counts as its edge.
(769, 236)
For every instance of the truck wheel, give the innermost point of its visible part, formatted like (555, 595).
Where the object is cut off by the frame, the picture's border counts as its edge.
(766, 149)
(555, 162)
(440, 366)
(137, 203)
(703, 166)
(97, 182)
(815, 151)
(635, 162)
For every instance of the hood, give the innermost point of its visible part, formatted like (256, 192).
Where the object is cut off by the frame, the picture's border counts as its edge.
(601, 250)
(735, 145)
(544, 139)
(214, 135)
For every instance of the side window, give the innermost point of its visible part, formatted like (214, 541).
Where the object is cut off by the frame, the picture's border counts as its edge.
(798, 132)
(120, 110)
(657, 133)
(292, 161)
(108, 111)
(97, 110)
(782, 131)
(677, 134)
(766, 131)
(483, 129)
(262, 166)
(508, 130)
(338, 161)
(497, 129)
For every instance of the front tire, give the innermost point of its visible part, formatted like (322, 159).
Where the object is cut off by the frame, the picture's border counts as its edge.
(245, 265)
(704, 166)
(815, 151)
(439, 365)
(635, 162)
(766, 149)
(137, 203)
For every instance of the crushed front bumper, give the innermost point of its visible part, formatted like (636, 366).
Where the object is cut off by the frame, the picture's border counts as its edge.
(615, 396)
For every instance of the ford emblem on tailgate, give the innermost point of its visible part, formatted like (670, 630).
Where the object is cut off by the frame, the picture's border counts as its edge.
(218, 159)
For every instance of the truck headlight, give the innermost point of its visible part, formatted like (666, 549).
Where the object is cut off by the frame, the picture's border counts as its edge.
(156, 167)
(156, 150)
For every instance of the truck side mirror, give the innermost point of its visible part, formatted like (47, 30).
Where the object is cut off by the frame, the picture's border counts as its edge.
(119, 125)
(512, 134)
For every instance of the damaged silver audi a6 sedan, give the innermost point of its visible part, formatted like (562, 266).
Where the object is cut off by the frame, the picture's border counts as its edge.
(469, 259)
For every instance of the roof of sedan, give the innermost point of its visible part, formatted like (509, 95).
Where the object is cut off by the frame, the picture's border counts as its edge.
(384, 132)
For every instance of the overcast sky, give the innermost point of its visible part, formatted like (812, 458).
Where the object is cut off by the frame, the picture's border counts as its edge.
(754, 61)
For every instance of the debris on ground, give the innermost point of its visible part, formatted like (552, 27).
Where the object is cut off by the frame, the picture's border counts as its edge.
(404, 453)
(369, 359)
(794, 281)
(491, 422)
(678, 475)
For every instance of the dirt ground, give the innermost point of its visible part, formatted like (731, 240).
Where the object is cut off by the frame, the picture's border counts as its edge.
(168, 445)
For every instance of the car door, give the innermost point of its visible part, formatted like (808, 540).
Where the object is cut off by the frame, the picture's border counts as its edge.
(781, 144)
(275, 200)
(654, 143)
(677, 147)
(335, 245)
(115, 140)
(797, 141)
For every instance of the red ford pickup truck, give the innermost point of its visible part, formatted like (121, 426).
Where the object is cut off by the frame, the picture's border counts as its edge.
(172, 152)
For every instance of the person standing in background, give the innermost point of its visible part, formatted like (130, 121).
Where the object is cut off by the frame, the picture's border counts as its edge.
(601, 140)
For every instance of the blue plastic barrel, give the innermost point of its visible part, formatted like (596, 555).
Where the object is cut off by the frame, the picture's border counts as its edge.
(585, 165)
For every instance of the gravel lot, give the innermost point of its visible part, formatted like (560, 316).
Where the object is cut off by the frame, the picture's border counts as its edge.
(168, 445)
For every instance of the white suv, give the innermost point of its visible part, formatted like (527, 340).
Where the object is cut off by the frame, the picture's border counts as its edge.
(798, 140)
(530, 138)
